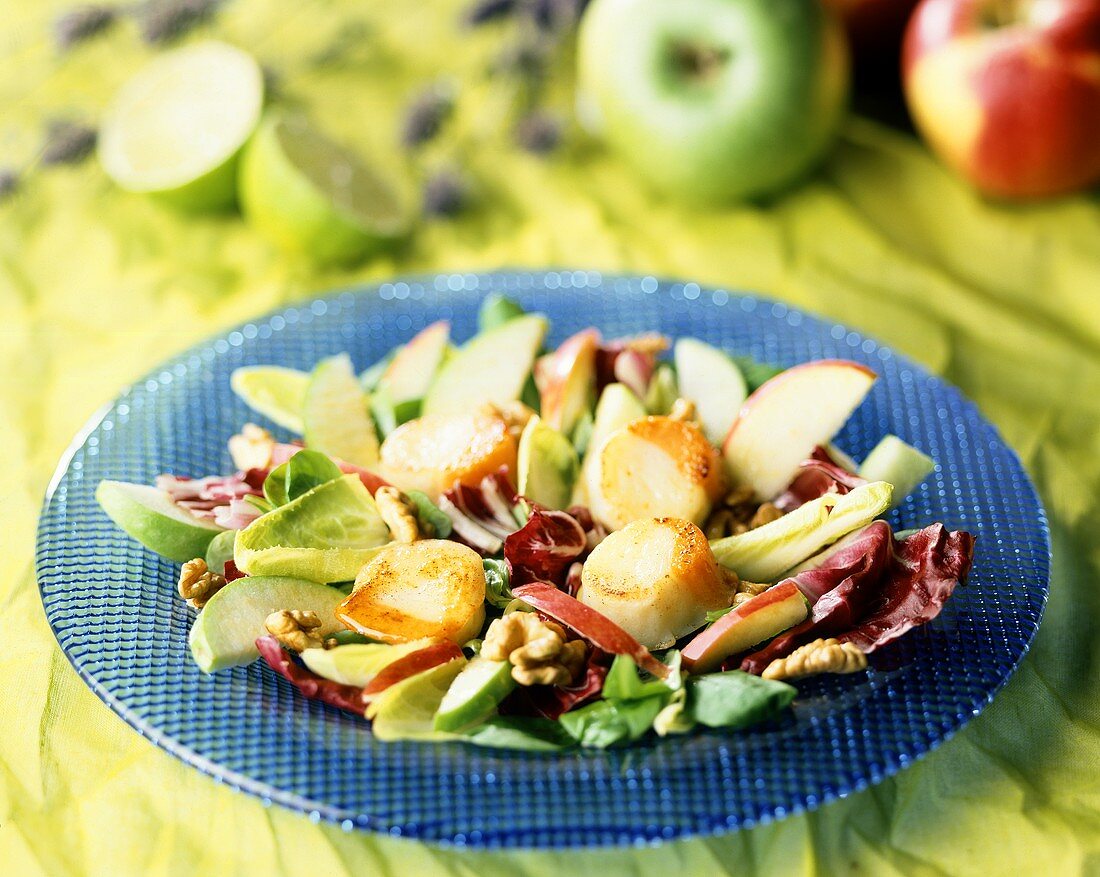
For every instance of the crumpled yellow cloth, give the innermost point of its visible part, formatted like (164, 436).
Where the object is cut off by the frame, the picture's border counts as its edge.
(97, 286)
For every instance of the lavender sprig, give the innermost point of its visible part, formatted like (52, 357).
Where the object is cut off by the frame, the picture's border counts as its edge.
(539, 133)
(9, 183)
(67, 142)
(483, 11)
(425, 116)
(162, 21)
(445, 194)
(81, 23)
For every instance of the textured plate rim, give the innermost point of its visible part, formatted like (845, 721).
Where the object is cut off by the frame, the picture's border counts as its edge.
(595, 838)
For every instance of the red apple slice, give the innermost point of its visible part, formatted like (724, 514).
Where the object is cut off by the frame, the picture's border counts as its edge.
(412, 369)
(752, 622)
(566, 380)
(416, 662)
(786, 418)
(601, 631)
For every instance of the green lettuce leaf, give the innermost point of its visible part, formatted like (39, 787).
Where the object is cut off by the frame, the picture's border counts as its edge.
(763, 554)
(300, 474)
(529, 733)
(428, 516)
(756, 373)
(610, 722)
(497, 583)
(735, 699)
(495, 310)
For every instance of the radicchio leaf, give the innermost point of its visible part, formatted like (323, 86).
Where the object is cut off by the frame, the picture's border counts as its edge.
(626, 361)
(818, 475)
(483, 516)
(204, 497)
(545, 547)
(873, 600)
(231, 573)
(551, 701)
(346, 697)
(924, 571)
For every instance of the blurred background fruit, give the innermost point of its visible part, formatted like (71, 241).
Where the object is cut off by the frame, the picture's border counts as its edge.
(713, 100)
(1007, 92)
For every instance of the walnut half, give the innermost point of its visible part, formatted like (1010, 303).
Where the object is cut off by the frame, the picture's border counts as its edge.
(536, 649)
(399, 514)
(297, 629)
(819, 656)
(197, 584)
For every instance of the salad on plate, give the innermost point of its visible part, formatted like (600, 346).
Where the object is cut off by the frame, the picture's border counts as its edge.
(536, 549)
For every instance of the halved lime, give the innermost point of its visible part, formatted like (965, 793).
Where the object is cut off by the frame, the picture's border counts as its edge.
(325, 535)
(337, 416)
(278, 393)
(176, 128)
(313, 197)
(155, 520)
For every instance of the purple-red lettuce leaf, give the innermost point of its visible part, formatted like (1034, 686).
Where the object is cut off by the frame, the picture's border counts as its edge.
(550, 701)
(345, 697)
(545, 547)
(895, 586)
(483, 516)
(818, 475)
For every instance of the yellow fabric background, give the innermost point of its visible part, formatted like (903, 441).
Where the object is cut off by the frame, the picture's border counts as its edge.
(97, 286)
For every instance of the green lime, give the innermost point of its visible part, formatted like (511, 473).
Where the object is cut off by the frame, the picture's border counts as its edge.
(278, 393)
(324, 535)
(311, 196)
(155, 520)
(176, 128)
(406, 710)
(337, 416)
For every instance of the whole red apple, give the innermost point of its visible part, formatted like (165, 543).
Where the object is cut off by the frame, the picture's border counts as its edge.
(1007, 92)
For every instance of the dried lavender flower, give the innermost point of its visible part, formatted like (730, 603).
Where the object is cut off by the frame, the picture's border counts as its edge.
(162, 21)
(9, 183)
(445, 194)
(483, 11)
(425, 116)
(538, 133)
(82, 22)
(67, 142)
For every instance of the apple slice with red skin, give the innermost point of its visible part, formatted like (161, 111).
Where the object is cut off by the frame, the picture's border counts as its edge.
(787, 417)
(754, 621)
(566, 380)
(412, 369)
(599, 630)
(413, 663)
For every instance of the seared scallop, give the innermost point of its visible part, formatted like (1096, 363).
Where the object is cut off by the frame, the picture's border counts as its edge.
(431, 453)
(656, 578)
(430, 588)
(656, 467)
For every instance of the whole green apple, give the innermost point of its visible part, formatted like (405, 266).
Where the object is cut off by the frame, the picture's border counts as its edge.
(713, 100)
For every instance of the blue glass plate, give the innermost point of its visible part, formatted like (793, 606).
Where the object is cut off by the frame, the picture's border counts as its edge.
(114, 611)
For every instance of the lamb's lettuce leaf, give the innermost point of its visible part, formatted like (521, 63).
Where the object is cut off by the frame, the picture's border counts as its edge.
(529, 733)
(497, 590)
(735, 699)
(300, 474)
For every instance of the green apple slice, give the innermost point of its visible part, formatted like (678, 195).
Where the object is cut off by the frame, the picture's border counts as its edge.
(474, 695)
(492, 367)
(324, 535)
(225, 631)
(411, 371)
(358, 663)
(547, 465)
(176, 128)
(406, 710)
(337, 414)
(710, 379)
(151, 516)
(899, 464)
(278, 393)
(618, 406)
(314, 198)
(761, 555)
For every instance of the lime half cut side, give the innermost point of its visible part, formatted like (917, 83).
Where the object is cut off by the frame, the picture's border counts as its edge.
(176, 128)
(313, 197)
